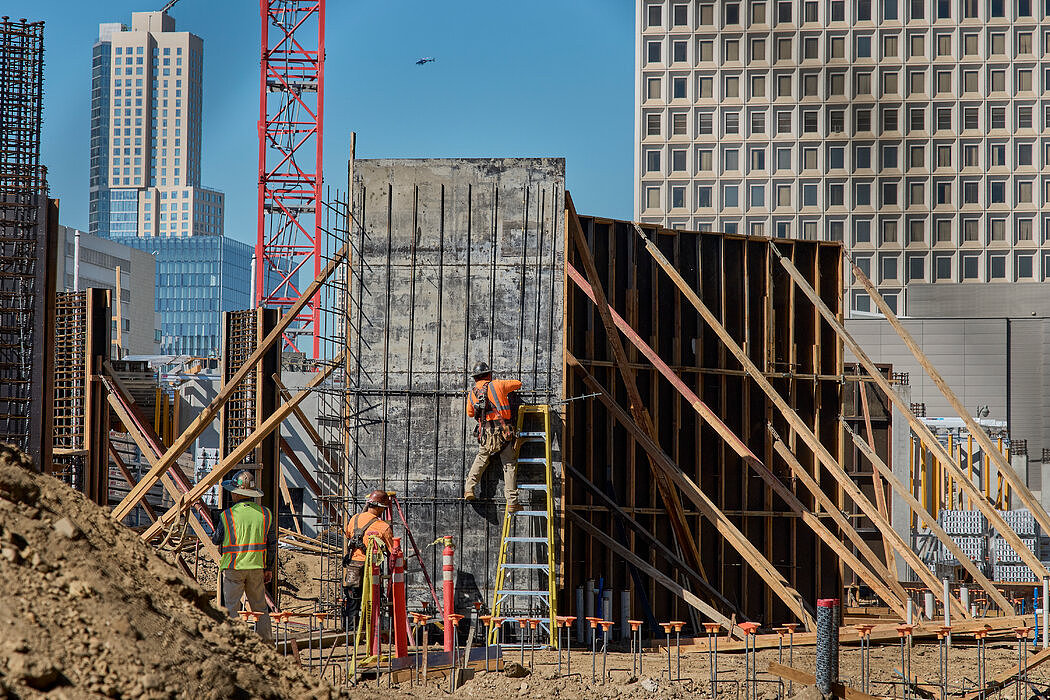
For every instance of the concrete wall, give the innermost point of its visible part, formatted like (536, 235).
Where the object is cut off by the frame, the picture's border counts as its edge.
(455, 261)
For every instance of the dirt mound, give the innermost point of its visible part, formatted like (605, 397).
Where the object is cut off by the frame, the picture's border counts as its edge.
(87, 610)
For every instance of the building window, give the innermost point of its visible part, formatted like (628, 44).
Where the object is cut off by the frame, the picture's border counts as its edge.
(837, 121)
(944, 119)
(655, 14)
(810, 48)
(677, 197)
(889, 157)
(889, 268)
(970, 156)
(783, 86)
(758, 159)
(730, 196)
(864, 46)
(916, 231)
(838, 11)
(970, 81)
(652, 125)
(757, 196)
(652, 89)
(678, 160)
(889, 231)
(890, 9)
(836, 195)
(732, 52)
(732, 13)
(863, 119)
(997, 267)
(1024, 192)
(863, 158)
(1024, 117)
(679, 124)
(653, 52)
(705, 123)
(944, 193)
(758, 86)
(703, 197)
(970, 234)
(889, 193)
(706, 86)
(890, 46)
(971, 267)
(943, 231)
(809, 158)
(678, 88)
(862, 194)
(732, 86)
(997, 192)
(783, 195)
(1024, 230)
(861, 231)
(731, 159)
(835, 229)
(916, 193)
(809, 121)
(707, 14)
(784, 158)
(942, 266)
(704, 158)
(917, 119)
(679, 51)
(997, 154)
(784, 52)
(970, 193)
(652, 197)
(1024, 80)
(809, 195)
(784, 122)
(680, 15)
(732, 122)
(758, 49)
(1025, 267)
(705, 51)
(916, 268)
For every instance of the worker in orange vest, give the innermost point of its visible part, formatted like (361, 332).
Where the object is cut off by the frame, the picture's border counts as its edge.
(364, 530)
(489, 404)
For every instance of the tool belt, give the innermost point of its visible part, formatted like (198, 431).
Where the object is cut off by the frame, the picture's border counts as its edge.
(494, 434)
(354, 574)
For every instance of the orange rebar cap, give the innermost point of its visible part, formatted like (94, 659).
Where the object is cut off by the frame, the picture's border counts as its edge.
(606, 624)
(455, 618)
(593, 621)
(677, 625)
(635, 625)
(666, 626)
(1022, 632)
(569, 619)
(791, 626)
(904, 630)
(749, 627)
(863, 630)
(712, 627)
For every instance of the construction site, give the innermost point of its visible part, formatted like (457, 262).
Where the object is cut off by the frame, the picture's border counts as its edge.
(707, 485)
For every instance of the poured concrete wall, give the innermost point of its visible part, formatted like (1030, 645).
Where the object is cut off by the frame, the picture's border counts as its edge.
(454, 261)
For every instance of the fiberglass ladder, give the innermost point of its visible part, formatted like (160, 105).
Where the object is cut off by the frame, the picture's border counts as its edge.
(534, 436)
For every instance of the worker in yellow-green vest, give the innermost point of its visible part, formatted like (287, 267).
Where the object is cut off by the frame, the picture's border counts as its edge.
(246, 534)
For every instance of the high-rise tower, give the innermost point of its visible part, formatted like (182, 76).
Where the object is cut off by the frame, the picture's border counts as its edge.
(146, 133)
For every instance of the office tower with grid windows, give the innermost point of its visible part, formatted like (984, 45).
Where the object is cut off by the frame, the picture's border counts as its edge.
(145, 174)
(915, 131)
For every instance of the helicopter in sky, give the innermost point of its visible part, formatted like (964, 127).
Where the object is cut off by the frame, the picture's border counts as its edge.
(425, 60)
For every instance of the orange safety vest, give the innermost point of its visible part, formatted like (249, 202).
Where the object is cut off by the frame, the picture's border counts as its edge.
(500, 407)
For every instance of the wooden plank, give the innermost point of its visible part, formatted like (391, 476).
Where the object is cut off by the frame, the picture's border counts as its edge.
(709, 612)
(837, 689)
(732, 535)
(989, 447)
(803, 430)
(318, 443)
(1002, 678)
(126, 473)
(213, 477)
(978, 499)
(885, 633)
(876, 480)
(206, 416)
(931, 522)
(287, 496)
(148, 451)
(670, 498)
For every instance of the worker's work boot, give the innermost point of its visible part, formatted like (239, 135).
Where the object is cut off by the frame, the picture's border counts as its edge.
(514, 507)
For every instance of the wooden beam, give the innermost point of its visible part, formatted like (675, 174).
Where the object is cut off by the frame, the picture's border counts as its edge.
(166, 481)
(676, 516)
(838, 690)
(665, 551)
(876, 480)
(889, 580)
(287, 496)
(238, 454)
(736, 539)
(206, 416)
(801, 429)
(305, 474)
(977, 498)
(666, 581)
(987, 446)
(931, 522)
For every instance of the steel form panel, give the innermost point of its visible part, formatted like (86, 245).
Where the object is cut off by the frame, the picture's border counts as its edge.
(291, 118)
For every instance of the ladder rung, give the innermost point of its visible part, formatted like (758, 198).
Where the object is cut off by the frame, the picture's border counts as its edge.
(533, 487)
(533, 540)
(535, 567)
(532, 460)
(533, 434)
(532, 513)
(539, 594)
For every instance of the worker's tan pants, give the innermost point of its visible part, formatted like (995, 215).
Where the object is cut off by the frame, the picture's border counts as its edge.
(247, 582)
(510, 468)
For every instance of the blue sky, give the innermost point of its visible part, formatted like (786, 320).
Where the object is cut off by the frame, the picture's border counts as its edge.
(538, 78)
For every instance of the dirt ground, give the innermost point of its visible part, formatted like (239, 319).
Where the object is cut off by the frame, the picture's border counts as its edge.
(543, 682)
(88, 610)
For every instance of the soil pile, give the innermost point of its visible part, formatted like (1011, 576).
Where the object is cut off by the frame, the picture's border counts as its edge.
(87, 610)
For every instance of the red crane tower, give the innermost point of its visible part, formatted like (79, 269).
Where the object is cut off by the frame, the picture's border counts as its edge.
(291, 119)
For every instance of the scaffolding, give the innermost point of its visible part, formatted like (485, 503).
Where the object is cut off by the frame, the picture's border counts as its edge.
(23, 241)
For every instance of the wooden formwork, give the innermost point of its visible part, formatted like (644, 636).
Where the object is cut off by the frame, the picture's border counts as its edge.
(740, 281)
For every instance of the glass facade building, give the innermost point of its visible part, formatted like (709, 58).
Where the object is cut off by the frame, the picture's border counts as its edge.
(198, 278)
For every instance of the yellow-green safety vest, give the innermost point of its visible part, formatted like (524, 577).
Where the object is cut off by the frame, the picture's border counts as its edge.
(244, 541)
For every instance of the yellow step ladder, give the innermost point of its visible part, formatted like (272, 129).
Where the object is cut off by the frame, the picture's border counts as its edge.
(526, 533)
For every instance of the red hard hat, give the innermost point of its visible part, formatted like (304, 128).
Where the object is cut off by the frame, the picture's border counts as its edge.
(379, 498)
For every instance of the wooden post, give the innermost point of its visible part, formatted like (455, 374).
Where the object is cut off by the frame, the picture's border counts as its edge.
(876, 480)
(208, 414)
(845, 482)
(920, 428)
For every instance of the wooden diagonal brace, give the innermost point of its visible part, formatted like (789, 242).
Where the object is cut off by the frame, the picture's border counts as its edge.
(886, 580)
(920, 428)
(672, 503)
(931, 522)
(801, 429)
(989, 448)
(227, 390)
(235, 457)
(126, 473)
(736, 539)
(876, 480)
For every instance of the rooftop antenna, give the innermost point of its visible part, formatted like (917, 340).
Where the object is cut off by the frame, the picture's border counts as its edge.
(171, 4)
